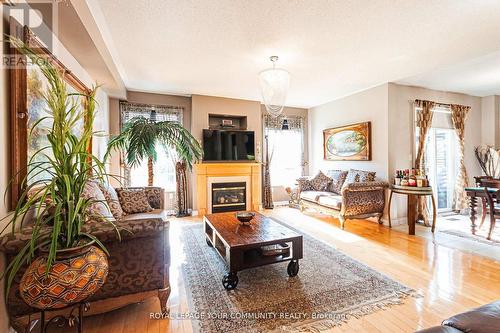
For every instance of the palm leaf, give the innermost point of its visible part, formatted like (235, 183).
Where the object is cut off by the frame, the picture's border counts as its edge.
(140, 137)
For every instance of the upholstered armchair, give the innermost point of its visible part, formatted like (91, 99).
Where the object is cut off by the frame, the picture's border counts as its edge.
(361, 200)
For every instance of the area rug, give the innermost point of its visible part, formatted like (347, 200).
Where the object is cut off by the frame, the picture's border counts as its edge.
(480, 236)
(330, 288)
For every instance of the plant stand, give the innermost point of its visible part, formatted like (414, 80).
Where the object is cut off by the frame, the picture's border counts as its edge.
(74, 318)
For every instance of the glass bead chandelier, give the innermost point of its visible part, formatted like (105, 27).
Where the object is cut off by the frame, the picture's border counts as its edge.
(274, 84)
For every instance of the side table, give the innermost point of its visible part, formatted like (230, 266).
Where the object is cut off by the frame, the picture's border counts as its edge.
(413, 193)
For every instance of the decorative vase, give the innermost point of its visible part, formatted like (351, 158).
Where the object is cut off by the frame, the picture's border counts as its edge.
(76, 274)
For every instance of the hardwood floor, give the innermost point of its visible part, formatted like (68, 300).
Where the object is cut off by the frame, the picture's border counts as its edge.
(449, 280)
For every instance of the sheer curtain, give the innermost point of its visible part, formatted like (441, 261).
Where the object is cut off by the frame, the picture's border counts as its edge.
(164, 167)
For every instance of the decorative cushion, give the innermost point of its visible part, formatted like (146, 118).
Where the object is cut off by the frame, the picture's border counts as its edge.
(98, 208)
(154, 195)
(359, 176)
(134, 201)
(332, 201)
(320, 182)
(305, 184)
(112, 199)
(338, 178)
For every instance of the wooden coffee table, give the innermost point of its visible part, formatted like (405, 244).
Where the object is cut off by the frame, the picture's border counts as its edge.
(240, 246)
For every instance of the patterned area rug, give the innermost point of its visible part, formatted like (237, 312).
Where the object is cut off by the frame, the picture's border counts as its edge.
(480, 236)
(330, 288)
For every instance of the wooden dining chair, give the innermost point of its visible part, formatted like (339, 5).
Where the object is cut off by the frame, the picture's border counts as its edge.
(493, 200)
(485, 181)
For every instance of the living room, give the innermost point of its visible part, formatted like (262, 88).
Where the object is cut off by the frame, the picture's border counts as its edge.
(271, 166)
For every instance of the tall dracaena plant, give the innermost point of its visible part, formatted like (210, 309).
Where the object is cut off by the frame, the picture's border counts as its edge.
(57, 173)
(140, 136)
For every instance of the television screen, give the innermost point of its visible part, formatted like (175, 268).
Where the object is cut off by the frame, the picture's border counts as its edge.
(222, 145)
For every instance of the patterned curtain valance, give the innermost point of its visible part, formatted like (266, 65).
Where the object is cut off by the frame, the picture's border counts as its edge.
(294, 122)
(163, 112)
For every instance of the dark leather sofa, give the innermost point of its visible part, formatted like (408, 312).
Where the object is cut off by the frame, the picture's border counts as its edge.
(485, 319)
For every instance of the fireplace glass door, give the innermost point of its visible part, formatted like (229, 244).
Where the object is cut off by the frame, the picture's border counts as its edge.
(229, 197)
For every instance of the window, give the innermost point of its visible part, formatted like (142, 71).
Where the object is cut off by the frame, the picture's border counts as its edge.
(164, 167)
(441, 158)
(286, 149)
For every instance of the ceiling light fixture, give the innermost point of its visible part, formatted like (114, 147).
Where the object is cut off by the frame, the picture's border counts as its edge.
(274, 84)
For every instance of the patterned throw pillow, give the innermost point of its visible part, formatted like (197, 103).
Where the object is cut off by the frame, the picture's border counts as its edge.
(359, 176)
(112, 199)
(134, 201)
(366, 176)
(305, 184)
(320, 182)
(338, 178)
(97, 208)
(154, 195)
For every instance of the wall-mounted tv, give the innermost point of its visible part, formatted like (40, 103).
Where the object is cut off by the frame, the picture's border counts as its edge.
(228, 145)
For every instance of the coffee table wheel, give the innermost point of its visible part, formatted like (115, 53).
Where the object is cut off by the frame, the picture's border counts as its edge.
(293, 268)
(230, 281)
(208, 242)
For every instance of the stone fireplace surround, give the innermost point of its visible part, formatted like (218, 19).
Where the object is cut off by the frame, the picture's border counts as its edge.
(208, 173)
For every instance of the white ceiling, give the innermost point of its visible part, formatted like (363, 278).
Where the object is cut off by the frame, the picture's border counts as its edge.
(479, 77)
(331, 48)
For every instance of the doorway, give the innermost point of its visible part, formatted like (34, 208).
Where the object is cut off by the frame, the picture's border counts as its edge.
(441, 159)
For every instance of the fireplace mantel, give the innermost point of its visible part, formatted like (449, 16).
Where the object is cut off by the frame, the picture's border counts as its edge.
(204, 171)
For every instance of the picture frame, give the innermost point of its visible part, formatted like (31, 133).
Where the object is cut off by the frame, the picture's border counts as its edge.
(23, 101)
(348, 143)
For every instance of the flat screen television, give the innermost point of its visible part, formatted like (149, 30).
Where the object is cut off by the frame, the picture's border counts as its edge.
(228, 145)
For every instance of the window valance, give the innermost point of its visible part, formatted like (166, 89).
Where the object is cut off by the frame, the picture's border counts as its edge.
(159, 112)
(294, 122)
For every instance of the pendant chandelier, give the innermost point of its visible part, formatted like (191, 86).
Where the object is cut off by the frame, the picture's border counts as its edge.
(274, 84)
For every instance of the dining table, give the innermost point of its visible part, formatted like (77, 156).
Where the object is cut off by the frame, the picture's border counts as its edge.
(475, 193)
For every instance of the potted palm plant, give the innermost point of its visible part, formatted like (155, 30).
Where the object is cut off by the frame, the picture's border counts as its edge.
(67, 264)
(138, 141)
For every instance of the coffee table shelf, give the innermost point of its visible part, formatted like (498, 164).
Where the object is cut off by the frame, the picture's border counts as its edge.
(240, 245)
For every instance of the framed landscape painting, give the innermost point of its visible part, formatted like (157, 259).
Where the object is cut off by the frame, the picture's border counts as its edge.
(28, 107)
(348, 143)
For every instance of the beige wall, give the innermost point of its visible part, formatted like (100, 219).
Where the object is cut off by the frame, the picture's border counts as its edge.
(369, 105)
(202, 106)
(197, 108)
(205, 105)
(389, 108)
(490, 120)
(401, 131)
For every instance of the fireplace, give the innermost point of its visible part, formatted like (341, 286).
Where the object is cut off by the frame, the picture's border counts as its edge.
(229, 197)
(207, 174)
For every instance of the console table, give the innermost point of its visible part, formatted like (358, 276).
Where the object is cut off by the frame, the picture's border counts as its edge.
(412, 193)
